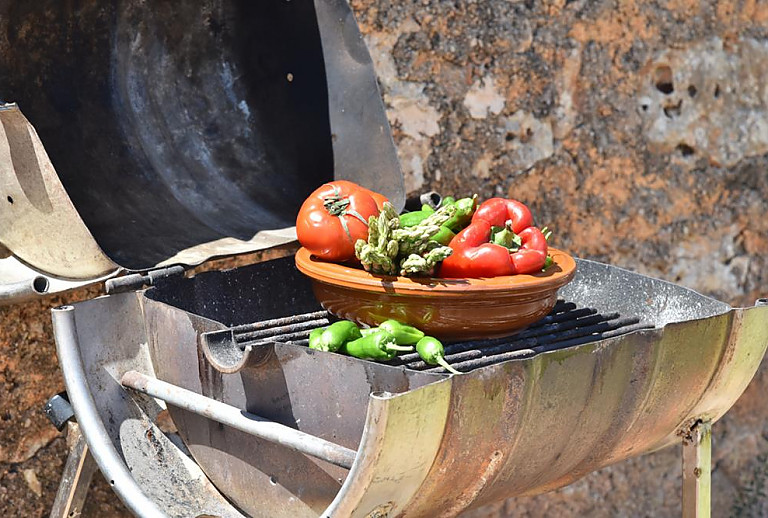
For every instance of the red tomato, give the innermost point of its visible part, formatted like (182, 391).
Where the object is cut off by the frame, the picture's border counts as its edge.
(333, 218)
(377, 197)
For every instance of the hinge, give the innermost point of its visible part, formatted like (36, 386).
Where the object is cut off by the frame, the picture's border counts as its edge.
(136, 281)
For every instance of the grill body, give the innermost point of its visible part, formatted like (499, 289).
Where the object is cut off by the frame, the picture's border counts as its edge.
(519, 427)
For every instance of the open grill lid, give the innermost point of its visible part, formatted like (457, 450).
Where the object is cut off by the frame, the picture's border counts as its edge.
(178, 133)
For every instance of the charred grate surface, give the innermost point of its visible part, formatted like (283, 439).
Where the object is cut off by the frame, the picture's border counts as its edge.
(567, 325)
(294, 329)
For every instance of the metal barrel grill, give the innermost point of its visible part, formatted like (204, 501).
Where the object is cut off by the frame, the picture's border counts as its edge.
(163, 141)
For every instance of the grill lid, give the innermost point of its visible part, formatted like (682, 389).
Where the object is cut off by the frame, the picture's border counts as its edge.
(178, 133)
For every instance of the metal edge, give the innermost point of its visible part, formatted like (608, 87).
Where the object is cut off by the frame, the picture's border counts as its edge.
(397, 450)
(22, 283)
(67, 246)
(645, 276)
(109, 460)
(736, 358)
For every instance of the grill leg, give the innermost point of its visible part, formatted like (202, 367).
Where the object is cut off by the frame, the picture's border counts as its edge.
(697, 471)
(78, 472)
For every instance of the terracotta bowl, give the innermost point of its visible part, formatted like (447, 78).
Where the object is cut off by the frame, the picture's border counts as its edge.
(450, 309)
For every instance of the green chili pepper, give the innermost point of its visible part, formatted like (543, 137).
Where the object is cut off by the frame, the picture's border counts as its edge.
(411, 219)
(548, 262)
(443, 236)
(432, 352)
(465, 209)
(404, 334)
(427, 208)
(380, 345)
(314, 338)
(369, 331)
(334, 336)
(448, 200)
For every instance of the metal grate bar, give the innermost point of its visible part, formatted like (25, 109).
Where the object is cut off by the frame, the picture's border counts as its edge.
(595, 325)
(618, 328)
(261, 334)
(549, 325)
(284, 321)
(566, 326)
(562, 306)
(297, 338)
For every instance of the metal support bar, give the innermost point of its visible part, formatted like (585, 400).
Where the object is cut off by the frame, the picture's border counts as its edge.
(240, 420)
(697, 470)
(137, 281)
(100, 444)
(76, 478)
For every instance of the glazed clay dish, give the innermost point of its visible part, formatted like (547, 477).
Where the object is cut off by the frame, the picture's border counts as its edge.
(449, 309)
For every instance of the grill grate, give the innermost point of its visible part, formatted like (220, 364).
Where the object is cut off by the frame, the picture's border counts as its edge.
(567, 325)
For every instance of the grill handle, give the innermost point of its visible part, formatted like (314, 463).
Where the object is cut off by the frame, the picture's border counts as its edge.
(240, 420)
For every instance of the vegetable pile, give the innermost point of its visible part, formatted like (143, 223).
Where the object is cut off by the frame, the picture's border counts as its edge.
(381, 343)
(344, 222)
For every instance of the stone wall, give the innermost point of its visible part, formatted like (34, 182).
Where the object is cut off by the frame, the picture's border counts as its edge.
(638, 130)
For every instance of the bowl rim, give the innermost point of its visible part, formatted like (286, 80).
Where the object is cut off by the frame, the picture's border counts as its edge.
(556, 276)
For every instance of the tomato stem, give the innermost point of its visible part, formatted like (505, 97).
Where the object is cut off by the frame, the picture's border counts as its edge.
(335, 205)
(338, 206)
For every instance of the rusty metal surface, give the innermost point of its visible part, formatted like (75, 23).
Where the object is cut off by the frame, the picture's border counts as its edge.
(97, 341)
(516, 428)
(247, 422)
(290, 386)
(530, 426)
(697, 470)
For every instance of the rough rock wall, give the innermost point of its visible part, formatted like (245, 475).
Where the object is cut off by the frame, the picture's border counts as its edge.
(639, 132)
(636, 129)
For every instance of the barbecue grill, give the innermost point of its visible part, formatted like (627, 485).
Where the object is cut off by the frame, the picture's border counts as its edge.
(262, 425)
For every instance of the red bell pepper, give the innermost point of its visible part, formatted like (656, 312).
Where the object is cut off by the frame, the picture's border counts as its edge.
(499, 211)
(474, 255)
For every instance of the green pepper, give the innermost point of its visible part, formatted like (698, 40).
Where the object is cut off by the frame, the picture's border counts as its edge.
(448, 200)
(379, 345)
(465, 209)
(443, 236)
(432, 352)
(505, 237)
(427, 208)
(404, 334)
(548, 262)
(334, 336)
(314, 338)
(411, 219)
(369, 331)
